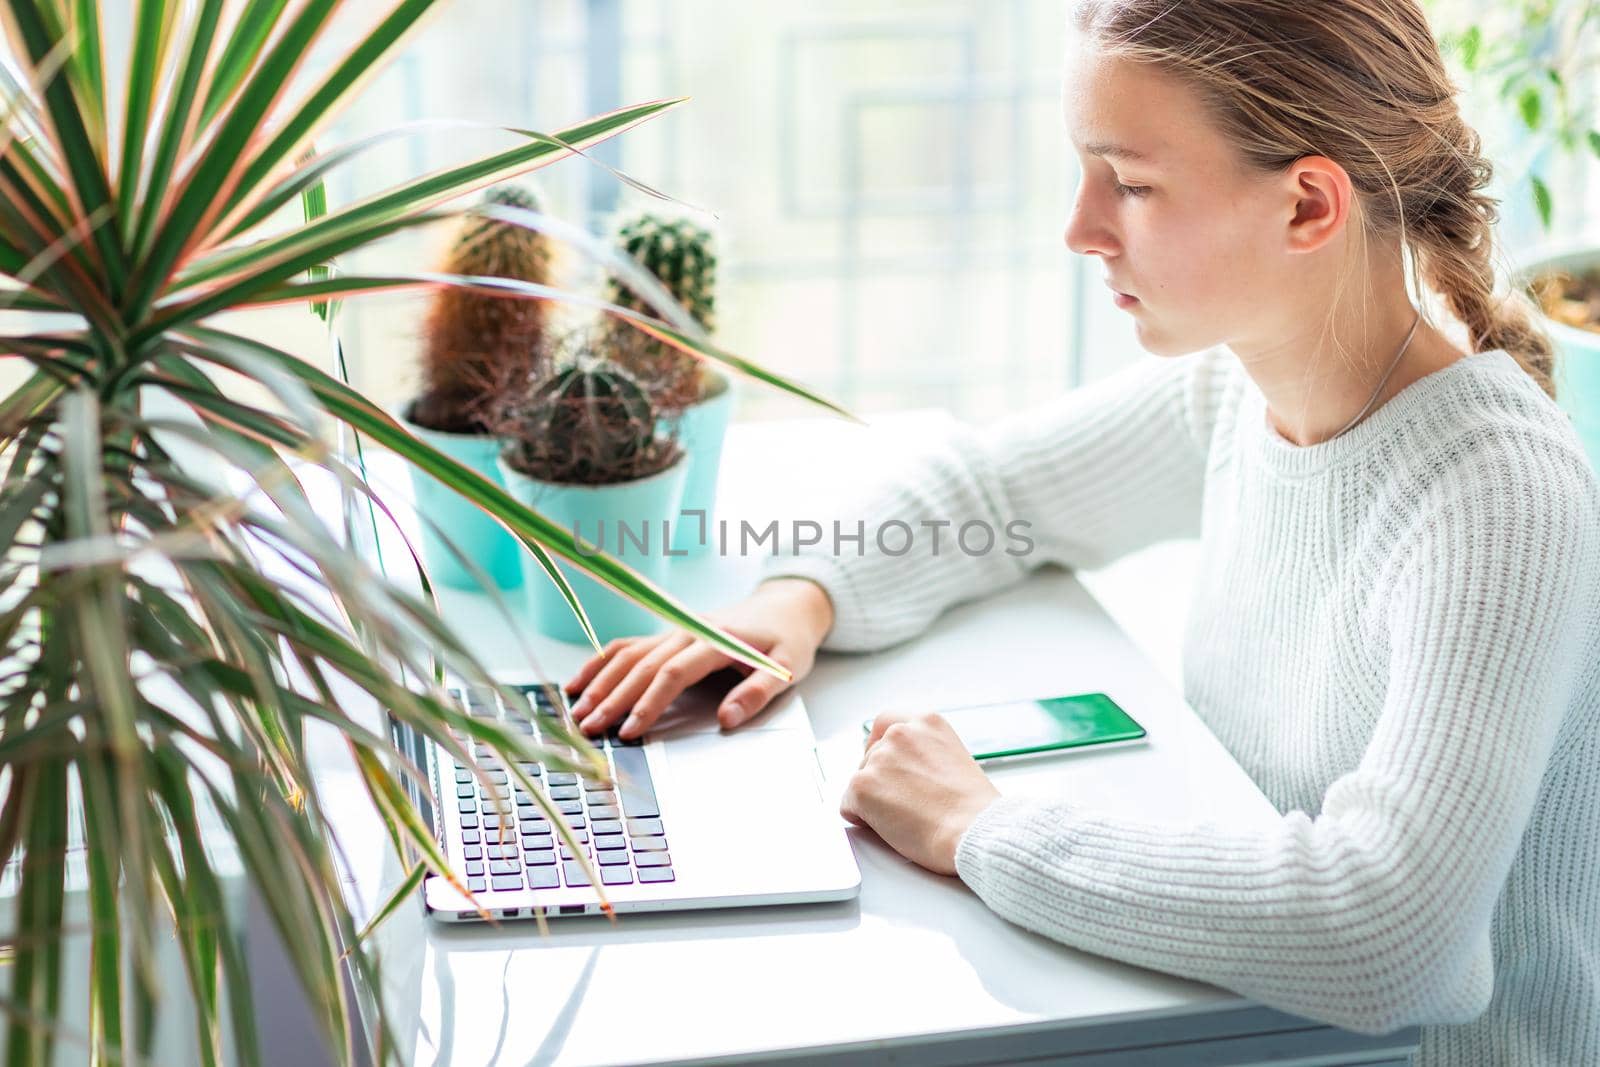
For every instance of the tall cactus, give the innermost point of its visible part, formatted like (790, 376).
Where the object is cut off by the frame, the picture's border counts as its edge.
(589, 423)
(478, 347)
(681, 255)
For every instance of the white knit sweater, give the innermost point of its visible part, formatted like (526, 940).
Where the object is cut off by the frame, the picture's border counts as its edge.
(1396, 633)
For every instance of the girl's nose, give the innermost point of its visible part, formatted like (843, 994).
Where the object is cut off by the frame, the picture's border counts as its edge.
(1087, 234)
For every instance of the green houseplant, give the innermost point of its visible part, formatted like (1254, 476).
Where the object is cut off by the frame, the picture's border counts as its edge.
(585, 449)
(167, 640)
(476, 347)
(695, 400)
(1538, 60)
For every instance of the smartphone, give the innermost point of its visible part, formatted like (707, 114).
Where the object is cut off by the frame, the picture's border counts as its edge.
(1028, 727)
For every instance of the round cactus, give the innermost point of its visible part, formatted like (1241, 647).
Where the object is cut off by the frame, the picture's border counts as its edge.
(589, 423)
(479, 347)
(680, 254)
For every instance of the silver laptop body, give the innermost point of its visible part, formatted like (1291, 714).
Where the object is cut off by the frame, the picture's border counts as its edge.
(697, 818)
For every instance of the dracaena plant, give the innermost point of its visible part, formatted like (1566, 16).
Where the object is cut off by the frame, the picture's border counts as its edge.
(170, 628)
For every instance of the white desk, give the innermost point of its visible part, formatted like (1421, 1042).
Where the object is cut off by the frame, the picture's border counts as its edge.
(917, 966)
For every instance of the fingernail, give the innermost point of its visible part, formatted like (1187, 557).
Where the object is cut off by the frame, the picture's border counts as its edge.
(628, 726)
(581, 706)
(735, 712)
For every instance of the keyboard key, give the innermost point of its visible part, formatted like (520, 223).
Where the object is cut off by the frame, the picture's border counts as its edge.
(486, 791)
(475, 867)
(472, 852)
(645, 828)
(649, 844)
(567, 853)
(604, 811)
(574, 874)
(574, 807)
(502, 852)
(464, 791)
(543, 878)
(612, 859)
(655, 874)
(539, 857)
(561, 778)
(507, 881)
(504, 867)
(616, 876)
(633, 781)
(606, 826)
(538, 841)
(463, 776)
(467, 806)
(477, 885)
(469, 820)
(471, 837)
(564, 792)
(591, 785)
(496, 776)
(607, 842)
(652, 859)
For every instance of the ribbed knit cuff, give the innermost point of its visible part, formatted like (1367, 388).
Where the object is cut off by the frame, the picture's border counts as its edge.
(1005, 834)
(852, 628)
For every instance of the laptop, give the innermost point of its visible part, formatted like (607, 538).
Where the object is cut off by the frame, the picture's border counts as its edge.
(695, 818)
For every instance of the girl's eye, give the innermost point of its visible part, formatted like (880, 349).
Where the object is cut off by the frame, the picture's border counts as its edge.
(1131, 190)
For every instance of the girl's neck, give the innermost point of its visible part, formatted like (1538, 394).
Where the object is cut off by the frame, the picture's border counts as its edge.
(1314, 385)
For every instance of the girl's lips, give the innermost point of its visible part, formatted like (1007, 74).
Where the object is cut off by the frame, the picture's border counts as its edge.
(1123, 300)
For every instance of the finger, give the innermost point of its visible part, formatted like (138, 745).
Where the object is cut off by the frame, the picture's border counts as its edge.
(754, 693)
(619, 701)
(882, 723)
(848, 807)
(594, 663)
(684, 669)
(618, 664)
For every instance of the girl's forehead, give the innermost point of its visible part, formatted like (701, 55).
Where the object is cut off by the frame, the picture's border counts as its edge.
(1120, 109)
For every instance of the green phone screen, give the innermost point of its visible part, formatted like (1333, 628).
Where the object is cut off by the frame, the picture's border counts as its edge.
(1018, 727)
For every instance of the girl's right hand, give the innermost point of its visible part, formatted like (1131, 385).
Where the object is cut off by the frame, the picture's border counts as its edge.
(785, 618)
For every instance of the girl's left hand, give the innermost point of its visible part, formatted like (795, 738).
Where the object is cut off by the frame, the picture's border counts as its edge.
(918, 787)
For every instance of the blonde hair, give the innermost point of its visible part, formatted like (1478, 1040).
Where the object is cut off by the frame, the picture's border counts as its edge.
(1362, 83)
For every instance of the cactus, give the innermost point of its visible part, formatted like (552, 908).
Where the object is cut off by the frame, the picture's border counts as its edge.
(478, 347)
(588, 423)
(680, 254)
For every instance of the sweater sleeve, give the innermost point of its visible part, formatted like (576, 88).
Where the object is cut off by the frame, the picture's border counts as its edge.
(1107, 468)
(1375, 913)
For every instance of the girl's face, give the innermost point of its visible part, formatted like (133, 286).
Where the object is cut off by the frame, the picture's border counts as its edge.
(1191, 243)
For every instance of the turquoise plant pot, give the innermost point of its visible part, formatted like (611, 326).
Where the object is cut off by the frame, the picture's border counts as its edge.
(474, 534)
(1577, 352)
(593, 513)
(700, 429)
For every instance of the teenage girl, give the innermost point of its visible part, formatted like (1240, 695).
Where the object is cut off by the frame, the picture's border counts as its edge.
(1396, 624)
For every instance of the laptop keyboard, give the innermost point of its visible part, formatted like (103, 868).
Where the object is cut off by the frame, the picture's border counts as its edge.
(619, 829)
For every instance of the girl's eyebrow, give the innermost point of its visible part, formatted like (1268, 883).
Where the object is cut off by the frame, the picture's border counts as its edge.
(1116, 151)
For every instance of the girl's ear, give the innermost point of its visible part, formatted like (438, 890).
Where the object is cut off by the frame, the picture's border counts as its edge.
(1321, 198)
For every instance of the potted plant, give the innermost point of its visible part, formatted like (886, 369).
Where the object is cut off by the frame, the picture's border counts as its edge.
(585, 449)
(171, 629)
(1567, 287)
(1538, 58)
(476, 347)
(695, 400)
